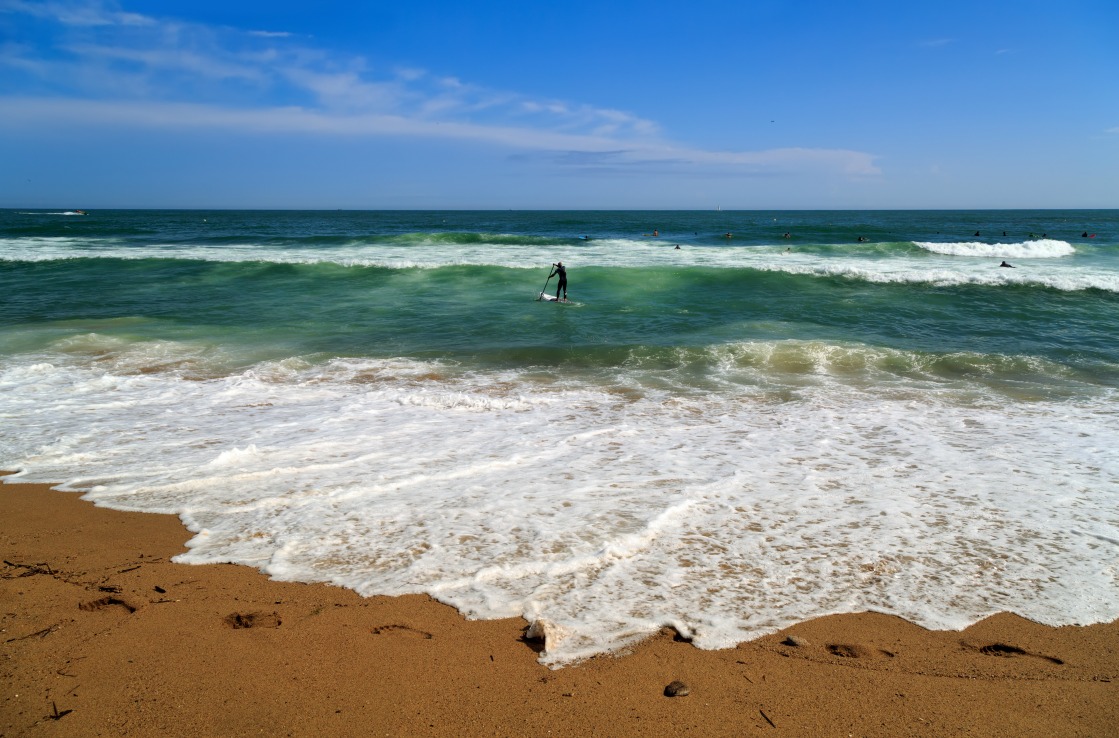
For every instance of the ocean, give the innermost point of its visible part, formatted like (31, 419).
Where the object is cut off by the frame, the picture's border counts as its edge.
(793, 414)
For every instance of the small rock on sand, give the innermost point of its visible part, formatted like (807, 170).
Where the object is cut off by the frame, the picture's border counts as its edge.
(677, 689)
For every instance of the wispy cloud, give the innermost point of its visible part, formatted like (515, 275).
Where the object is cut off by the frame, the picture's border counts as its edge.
(76, 14)
(113, 68)
(571, 148)
(935, 43)
(169, 59)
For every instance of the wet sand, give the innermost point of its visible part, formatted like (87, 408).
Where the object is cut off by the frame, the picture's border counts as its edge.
(100, 634)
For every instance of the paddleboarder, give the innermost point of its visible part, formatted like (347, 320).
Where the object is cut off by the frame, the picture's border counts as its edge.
(562, 284)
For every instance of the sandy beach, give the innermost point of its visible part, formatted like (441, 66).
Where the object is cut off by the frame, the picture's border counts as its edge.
(102, 634)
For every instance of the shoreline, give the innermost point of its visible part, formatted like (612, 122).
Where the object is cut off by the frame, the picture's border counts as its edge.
(102, 634)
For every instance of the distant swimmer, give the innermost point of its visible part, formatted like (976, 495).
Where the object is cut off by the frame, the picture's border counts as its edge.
(562, 285)
(787, 235)
(976, 234)
(656, 232)
(862, 239)
(677, 247)
(1004, 264)
(728, 235)
(586, 238)
(1004, 234)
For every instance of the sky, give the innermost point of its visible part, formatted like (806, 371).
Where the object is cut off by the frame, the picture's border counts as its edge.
(738, 105)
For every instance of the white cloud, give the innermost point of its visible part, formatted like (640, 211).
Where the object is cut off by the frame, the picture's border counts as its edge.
(76, 14)
(178, 60)
(126, 70)
(410, 74)
(345, 90)
(607, 151)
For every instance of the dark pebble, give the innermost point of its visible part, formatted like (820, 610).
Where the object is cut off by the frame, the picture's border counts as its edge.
(677, 689)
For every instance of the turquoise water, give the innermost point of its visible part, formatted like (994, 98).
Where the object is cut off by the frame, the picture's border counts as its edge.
(452, 284)
(729, 436)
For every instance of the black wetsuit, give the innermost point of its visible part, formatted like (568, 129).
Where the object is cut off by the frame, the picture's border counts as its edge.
(562, 286)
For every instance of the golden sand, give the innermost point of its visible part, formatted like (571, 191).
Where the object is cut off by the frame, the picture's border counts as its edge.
(100, 634)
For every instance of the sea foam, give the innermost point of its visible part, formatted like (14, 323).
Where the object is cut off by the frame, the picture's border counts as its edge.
(730, 513)
(938, 267)
(1042, 248)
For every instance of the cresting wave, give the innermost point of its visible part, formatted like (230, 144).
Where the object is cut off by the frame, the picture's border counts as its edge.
(775, 370)
(1038, 249)
(936, 267)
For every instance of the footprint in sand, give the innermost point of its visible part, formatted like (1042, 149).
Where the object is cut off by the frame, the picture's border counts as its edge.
(856, 651)
(1008, 651)
(106, 602)
(401, 630)
(239, 620)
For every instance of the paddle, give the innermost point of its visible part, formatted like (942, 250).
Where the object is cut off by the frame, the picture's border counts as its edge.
(546, 281)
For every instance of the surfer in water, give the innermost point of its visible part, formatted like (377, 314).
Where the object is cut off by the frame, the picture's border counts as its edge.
(562, 285)
(1004, 264)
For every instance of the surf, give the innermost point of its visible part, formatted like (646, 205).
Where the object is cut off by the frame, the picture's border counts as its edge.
(721, 521)
(1036, 249)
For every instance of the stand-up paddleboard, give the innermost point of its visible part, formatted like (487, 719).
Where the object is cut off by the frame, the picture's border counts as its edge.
(548, 298)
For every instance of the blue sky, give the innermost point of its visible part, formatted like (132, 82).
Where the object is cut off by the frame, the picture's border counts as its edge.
(739, 105)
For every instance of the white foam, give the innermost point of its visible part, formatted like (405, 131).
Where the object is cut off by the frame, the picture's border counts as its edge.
(604, 511)
(67, 212)
(1042, 248)
(236, 457)
(939, 267)
(946, 275)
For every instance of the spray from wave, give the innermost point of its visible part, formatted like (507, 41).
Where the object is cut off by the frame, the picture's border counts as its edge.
(1045, 248)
